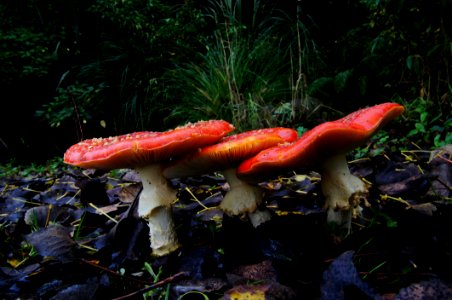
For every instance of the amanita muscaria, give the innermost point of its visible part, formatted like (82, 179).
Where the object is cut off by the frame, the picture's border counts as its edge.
(326, 146)
(242, 198)
(145, 152)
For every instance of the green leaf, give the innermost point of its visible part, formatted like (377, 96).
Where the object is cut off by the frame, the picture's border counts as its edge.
(341, 80)
(412, 132)
(409, 62)
(448, 139)
(436, 128)
(420, 127)
(423, 117)
(437, 141)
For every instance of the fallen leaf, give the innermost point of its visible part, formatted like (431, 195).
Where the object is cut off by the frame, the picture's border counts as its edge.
(340, 275)
(54, 241)
(426, 290)
(41, 216)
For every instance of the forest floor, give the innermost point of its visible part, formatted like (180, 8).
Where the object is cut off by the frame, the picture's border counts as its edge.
(73, 235)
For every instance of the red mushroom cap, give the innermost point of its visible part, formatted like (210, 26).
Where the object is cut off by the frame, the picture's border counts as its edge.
(229, 152)
(146, 147)
(324, 140)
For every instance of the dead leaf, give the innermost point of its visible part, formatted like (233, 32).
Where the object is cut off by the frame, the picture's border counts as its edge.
(341, 274)
(246, 292)
(426, 290)
(441, 173)
(76, 291)
(270, 290)
(399, 179)
(128, 192)
(41, 216)
(424, 208)
(54, 241)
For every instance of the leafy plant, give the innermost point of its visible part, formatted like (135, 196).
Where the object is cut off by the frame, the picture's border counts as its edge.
(76, 101)
(392, 47)
(425, 125)
(428, 125)
(27, 49)
(159, 293)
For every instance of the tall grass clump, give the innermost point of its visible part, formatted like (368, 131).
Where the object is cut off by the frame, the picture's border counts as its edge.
(245, 73)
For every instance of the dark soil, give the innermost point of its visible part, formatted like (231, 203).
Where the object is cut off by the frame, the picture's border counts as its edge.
(73, 235)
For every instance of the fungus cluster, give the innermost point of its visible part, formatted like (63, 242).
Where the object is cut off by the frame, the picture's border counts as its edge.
(325, 147)
(244, 159)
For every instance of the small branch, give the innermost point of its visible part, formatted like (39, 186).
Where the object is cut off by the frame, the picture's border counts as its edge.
(195, 198)
(102, 212)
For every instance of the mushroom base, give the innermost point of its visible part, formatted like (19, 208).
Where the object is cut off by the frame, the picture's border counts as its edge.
(243, 198)
(162, 232)
(259, 216)
(343, 191)
(154, 206)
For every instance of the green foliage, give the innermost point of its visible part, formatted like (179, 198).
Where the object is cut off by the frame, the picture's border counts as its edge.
(399, 47)
(429, 126)
(377, 145)
(117, 80)
(11, 168)
(27, 44)
(415, 37)
(424, 125)
(26, 49)
(301, 130)
(77, 100)
(159, 293)
(243, 74)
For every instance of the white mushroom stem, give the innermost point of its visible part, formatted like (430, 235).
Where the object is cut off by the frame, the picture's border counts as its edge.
(243, 198)
(343, 191)
(154, 206)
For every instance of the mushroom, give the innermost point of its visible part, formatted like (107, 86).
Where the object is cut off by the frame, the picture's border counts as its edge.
(242, 198)
(144, 152)
(326, 145)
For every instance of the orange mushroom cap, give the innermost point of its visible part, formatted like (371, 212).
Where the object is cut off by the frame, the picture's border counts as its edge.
(146, 147)
(229, 152)
(324, 140)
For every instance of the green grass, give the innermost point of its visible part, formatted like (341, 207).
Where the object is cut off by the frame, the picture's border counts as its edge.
(247, 71)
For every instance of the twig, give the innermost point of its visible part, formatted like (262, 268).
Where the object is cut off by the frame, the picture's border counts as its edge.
(48, 215)
(195, 198)
(75, 195)
(102, 212)
(25, 201)
(153, 286)
(398, 199)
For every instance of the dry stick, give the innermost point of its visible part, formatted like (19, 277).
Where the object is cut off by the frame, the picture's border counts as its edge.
(48, 215)
(153, 286)
(195, 198)
(102, 212)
